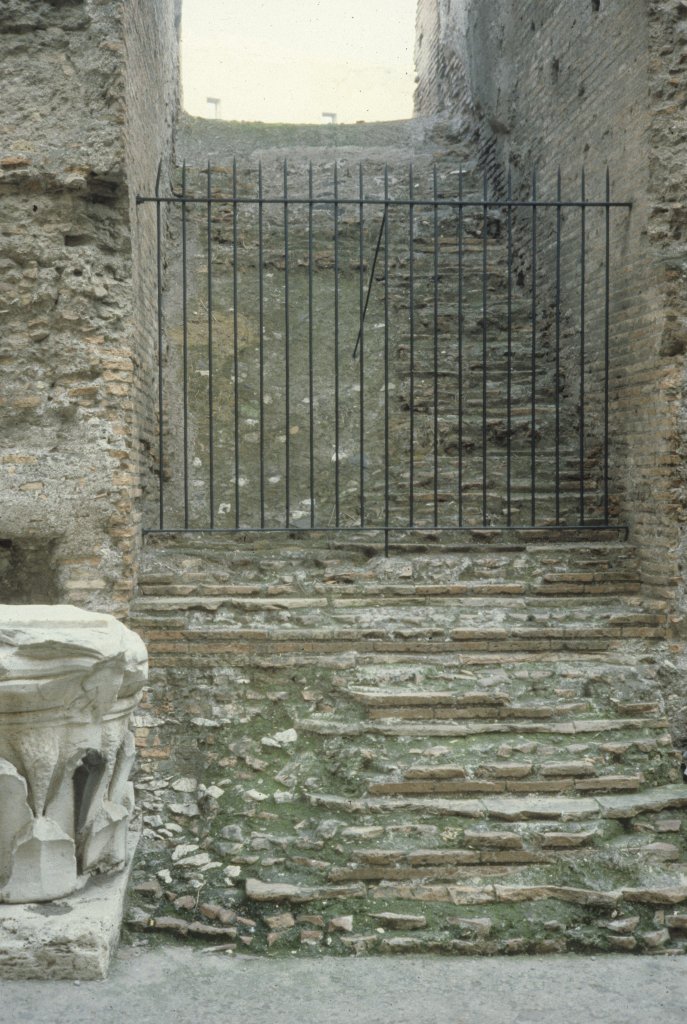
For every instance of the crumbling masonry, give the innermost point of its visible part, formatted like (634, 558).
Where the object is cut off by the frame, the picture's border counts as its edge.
(472, 746)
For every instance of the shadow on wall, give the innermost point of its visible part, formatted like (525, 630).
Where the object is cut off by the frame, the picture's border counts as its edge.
(27, 571)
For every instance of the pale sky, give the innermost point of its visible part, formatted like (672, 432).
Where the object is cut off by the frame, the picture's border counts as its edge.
(291, 60)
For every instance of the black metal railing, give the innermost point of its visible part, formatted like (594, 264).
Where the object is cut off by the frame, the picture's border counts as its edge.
(330, 359)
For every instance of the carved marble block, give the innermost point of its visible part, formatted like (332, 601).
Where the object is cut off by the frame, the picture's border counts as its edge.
(69, 680)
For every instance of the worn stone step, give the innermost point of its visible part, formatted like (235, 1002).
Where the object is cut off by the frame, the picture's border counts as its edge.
(531, 608)
(545, 761)
(614, 678)
(672, 893)
(667, 895)
(248, 559)
(534, 763)
(461, 562)
(456, 712)
(468, 787)
(561, 588)
(236, 553)
(571, 727)
(494, 918)
(513, 808)
(358, 620)
(338, 585)
(492, 699)
(478, 858)
(573, 538)
(572, 584)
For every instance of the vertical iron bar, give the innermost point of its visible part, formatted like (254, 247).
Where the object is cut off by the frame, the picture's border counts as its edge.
(607, 338)
(237, 460)
(435, 359)
(184, 315)
(557, 397)
(287, 353)
(460, 345)
(337, 471)
(386, 359)
(211, 423)
(509, 370)
(583, 212)
(484, 348)
(361, 299)
(261, 344)
(533, 361)
(160, 386)
(411, 302)
(311, 380)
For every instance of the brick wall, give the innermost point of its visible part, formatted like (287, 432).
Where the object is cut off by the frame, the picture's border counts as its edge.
(550, 82)
(90, 97)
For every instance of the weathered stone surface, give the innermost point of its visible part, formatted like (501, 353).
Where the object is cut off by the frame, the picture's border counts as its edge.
(185, 903)
(624, 943)
(342, 923)
(662, 851)
(266, 892)
(622, 925)
(584, 897)
(16, 814)
(78, 449)
(655, 939)
(213, 912)
(279, 922)
(542, 808)
(411, 944)
(400, 922)
(482, 62)
(659, 896)
(566, 840)
(493, 840)
(479, 926)
(455, 894)
(78, 339)
(72, 938)
(439, 856)
(632, 804)
(69, 681)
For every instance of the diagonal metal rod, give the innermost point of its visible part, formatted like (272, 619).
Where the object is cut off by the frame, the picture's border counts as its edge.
(369, 287)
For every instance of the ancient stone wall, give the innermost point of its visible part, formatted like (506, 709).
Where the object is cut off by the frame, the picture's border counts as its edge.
(548, 82)
(90, 99)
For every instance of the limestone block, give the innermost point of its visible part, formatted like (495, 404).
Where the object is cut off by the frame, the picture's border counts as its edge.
(70, 938)
(15, 813)
(69, 680)
(43, 864)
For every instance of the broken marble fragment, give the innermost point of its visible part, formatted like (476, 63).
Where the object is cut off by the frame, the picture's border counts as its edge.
(69, 681)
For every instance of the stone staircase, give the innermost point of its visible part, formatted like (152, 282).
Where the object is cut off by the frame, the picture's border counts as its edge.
(461, 747)
(457, 748)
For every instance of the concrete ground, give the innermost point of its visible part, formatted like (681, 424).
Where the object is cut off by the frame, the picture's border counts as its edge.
(185, 986)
